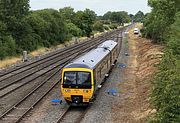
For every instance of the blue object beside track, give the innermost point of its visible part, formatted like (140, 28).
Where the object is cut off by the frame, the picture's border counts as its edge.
(122, 65)
(56, 101)
(112, 91)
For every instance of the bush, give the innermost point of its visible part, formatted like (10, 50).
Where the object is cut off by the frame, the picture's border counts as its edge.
(98, 26)
(106, 27)
(73, 31)
(7, 47)
(113, 26)
(165, 95)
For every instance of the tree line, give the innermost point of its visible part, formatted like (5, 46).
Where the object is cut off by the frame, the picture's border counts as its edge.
(162, 25)
(23, 29)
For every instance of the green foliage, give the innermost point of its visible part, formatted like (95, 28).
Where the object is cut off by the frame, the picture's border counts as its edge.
(120, 17)
(165, 95)
(107, 15)
(11, 13)
(21, 29)
(7, 46)
(13, 8)
(158, 21)
(131, 16)
(174, 40)
(99, 18)
(3, 28)
(98, 26)
(42, 28)
(139, 16)
(113, 26)
(85, 20)
(162, 24)
(73, 30)
(68, 13)
(106, 27)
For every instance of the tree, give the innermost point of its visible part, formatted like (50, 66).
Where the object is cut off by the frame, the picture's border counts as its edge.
(98, 26)
(11, 13)
(107, 15)
(7, 43)
(159, 20)
(132, 17)
(48, 24)
(73, 31)
(68, 13)
(85, 20)
(120, 17)
(139, 16)
(7, 46)
(13, 8)
(174, 42)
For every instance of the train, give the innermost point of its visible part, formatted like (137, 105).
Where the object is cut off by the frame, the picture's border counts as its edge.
(82, 78)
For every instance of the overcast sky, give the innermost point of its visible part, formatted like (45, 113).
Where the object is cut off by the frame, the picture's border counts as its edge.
(99, 6)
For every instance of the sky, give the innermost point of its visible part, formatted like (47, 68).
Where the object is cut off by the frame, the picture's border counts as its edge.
(99, 6)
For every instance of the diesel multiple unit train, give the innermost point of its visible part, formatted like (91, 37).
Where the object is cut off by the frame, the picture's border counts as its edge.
(82, 77)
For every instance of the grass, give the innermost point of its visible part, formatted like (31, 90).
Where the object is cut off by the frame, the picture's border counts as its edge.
(8, 61)
(126, 41)
(39, 51)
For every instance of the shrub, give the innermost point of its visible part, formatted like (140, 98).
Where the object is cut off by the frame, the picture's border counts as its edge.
(98, 26)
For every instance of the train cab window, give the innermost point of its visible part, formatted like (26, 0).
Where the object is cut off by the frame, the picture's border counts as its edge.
(77, 80)
(84, 78)
(70, 78)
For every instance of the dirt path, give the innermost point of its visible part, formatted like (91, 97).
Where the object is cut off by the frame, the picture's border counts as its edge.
(136, 86)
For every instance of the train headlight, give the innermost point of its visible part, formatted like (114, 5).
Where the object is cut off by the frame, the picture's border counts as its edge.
(67, 90)
(85, 91)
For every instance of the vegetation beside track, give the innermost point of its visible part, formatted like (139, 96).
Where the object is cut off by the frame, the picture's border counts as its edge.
(162, 26)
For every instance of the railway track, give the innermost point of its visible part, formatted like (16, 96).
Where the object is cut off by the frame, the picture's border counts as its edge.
(49, 64)
(73, 114)
(12, 72)
(16, 112)
(62, 62)
(23, 72)
(40, 65)
(48, 67)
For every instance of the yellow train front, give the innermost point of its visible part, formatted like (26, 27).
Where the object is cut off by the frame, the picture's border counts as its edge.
(82, 77)
(77, 85)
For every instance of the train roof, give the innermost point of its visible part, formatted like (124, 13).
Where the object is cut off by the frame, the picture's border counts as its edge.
(93, 57)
